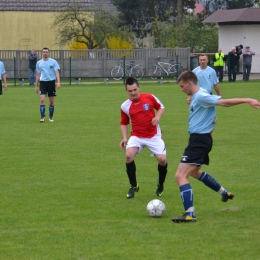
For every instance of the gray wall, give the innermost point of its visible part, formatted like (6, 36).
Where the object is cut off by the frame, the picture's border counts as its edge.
(95, 63)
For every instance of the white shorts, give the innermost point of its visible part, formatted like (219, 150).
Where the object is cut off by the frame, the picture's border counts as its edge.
(155, 144)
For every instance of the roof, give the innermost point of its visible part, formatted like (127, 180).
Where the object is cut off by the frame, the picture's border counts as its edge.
(48, 5)
(235, 15)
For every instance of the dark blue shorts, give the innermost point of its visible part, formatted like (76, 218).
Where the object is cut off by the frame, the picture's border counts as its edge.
(48, 87)
(197, 151)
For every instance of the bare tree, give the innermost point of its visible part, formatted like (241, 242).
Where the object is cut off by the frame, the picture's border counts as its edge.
(89, 27)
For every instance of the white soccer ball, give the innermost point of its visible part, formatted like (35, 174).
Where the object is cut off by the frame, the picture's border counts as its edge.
(155, 208)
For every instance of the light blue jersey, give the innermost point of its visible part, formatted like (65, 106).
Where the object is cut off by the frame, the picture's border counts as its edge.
(47, 69)
(202, 117)
(207, 78)
(2, 69)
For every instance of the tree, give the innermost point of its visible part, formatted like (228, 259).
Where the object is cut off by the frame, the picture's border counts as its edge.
(142, 16)
(212, 5)
(74, 23)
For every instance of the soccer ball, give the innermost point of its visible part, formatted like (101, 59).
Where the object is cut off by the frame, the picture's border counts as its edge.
(155, 208)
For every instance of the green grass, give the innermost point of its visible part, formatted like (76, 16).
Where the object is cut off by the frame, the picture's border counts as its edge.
(63, 185)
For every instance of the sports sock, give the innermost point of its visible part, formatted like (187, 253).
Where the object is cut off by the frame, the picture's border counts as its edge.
(187, 196)
(51, 111)
(42, 110)
(131, 172)
(162, 173)
(209, 181)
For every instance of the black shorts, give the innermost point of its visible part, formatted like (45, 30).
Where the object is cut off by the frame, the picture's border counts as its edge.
(48, 87)
(197, 151)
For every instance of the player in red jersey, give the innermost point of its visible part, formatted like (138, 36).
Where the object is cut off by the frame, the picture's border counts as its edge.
(139, 111)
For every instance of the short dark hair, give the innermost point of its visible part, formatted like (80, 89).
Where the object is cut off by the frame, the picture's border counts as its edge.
(45, 48)
(131, 81)
(241, 46)
(188, 76)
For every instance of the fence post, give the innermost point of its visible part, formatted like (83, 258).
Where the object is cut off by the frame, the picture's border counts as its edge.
(14, 71)
(70, 68)
(124, 69)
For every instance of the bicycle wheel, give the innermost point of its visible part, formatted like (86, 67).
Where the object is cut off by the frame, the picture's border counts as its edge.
(137, 72)
(154, 72)
(172, 71)
(117, 73)
(179, 69)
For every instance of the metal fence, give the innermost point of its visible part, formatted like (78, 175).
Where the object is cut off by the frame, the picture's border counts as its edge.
(92, 63)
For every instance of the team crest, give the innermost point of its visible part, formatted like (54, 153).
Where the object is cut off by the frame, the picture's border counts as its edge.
(146, 107)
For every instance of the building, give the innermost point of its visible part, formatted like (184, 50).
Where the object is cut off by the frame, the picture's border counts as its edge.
(26, 24)
(239, 26)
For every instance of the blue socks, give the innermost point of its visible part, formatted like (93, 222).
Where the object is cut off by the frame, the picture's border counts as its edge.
(51, 110)
(187, 197)
(42, 111)
(209, 181)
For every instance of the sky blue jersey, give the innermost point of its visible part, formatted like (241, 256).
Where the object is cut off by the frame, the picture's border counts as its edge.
(47, 69)
(2, 69)
(207, 78)
(202, 117)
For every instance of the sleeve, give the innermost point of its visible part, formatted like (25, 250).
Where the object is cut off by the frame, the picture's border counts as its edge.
(124, 118)
(208, 100)
(157, 103)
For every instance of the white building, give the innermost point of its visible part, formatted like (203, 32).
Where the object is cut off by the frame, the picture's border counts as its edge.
(239, 26)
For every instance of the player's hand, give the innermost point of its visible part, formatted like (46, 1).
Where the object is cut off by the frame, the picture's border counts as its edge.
(188, 100)
(58, 85)
(36, 90)
(123, 144)
(155, 121)
(6, 87)
(254, 103)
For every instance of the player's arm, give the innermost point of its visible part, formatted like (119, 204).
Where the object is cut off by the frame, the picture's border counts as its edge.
(156, 119)
(5, 82)
(38, 74)
(124, 131)
(237, 101)
(58, 78)
(217, 89)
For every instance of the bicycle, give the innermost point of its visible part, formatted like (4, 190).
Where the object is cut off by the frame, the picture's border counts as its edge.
(132, 70)
(170, 69)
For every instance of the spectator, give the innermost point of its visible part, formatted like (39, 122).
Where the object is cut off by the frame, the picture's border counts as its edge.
(232, 65)
(32, 66)
(2, 77)
(239, 50)
(247, 61)
(219, 61)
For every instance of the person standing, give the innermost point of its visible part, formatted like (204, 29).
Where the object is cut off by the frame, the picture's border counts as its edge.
(139, 111)
(32, 66)
(247, 63)
(232, 65)
(202, 121)
(3, 77)
(219, 62)
(47, 70)
(207, 77)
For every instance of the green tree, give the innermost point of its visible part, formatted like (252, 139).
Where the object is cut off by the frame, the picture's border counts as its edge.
(213, 5)
(142, 16)
(91, 27)
(200, 37)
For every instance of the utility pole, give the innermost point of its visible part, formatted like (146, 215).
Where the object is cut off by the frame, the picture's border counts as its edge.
(179, 23)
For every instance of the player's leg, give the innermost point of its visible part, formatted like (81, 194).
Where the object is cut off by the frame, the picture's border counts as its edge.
(183, 172)
(157, 146)
(210, 182)
(43, 92)
(133, 147)
(51, 94)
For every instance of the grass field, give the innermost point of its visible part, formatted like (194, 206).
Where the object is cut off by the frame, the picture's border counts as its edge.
(63, 185)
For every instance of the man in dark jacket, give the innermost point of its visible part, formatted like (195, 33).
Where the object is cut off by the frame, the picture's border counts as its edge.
(232, 64)
(32, 66)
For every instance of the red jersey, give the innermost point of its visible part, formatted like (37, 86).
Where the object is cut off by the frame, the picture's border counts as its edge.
(140, 113)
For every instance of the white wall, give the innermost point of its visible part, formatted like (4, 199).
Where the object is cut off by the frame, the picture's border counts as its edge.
(247, 35)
